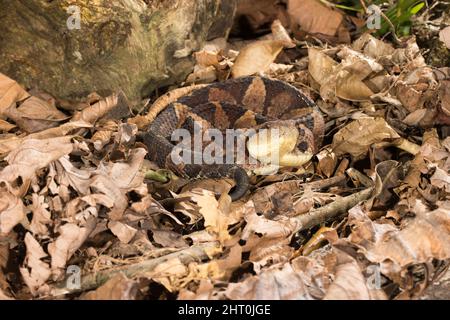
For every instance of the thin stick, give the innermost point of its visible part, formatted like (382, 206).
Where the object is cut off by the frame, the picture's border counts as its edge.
(360, 177)
(332, 210)
(391, 25)
(94, 280)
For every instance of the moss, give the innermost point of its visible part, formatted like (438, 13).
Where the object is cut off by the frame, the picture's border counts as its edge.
(120, 44)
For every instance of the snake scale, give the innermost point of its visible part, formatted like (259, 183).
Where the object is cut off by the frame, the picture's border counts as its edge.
(241, 103)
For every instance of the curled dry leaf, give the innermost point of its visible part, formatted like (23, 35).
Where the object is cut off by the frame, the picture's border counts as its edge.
(372, 47)
(444, 36)
(280, 33)
(12, 211)
(214, 212)
(203, 292)
(35, 114)
(168, 239)
(350, 87)
(11, 142)
(266, 240)
(256, 57)
(389, 175)
(327, 161)
(32, 155)
(356, 137)
(420, 241)
(276, 283)
(441, 179)
(115, 107)
(404, 248)
(323, 70)
(5, 126)
(41, 216)
(122, 231)
(202, 75)
(314, 17)
(320, 66)
(35, 272)
(70, 238)
(349, 282)
(116, 179)
(358, 64)
(10, 92)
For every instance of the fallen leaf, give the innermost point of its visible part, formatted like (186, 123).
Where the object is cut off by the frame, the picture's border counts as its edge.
(41, 215)
(10, 92)
(327, 161)
(372, 46)
(256, 57)
(357, 136)
(118, 287)
(315, 18)
(32, 155)
(6, 126)
(444, 36)
(35, 272)
(35, 114)
(70, 238)
(276, 283)
(350, 87)
(12, 211)
(115, 106)
(122, 231)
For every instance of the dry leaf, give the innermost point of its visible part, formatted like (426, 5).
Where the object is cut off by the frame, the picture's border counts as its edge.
(401, 249)
(115, 106)
(12, 211)
(70, 238)
(273, 284)
(323, 70)
(444, 36)
(35, 272)
(41, 216)
(372, 46)
(32, 155)
(10, 92)
(350, 87)
(327, 161)
(280, 33)
(118, 287)
(122, 231)
(35, 114)
(6, 126)
(256, 57)
(314, 17)
(349, 282)
(356, 137)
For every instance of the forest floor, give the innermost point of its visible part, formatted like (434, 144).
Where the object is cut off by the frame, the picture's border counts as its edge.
(84, 214)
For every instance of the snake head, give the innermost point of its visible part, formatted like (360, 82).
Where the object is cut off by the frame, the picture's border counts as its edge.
(282, 143)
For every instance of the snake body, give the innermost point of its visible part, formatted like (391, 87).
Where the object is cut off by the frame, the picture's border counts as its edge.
(247, 102)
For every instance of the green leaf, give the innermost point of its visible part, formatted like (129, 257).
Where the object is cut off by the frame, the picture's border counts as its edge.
(417, 8)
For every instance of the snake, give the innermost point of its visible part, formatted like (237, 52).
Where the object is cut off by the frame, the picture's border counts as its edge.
(246, 103)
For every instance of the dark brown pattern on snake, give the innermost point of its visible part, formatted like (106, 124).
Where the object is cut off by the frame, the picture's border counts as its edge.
(237, 103)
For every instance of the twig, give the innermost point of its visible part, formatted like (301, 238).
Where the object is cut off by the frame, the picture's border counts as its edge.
(96, 279)
(297, 184)
(363, 4)
(360, 177)
(332, 210)
(381, 13)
